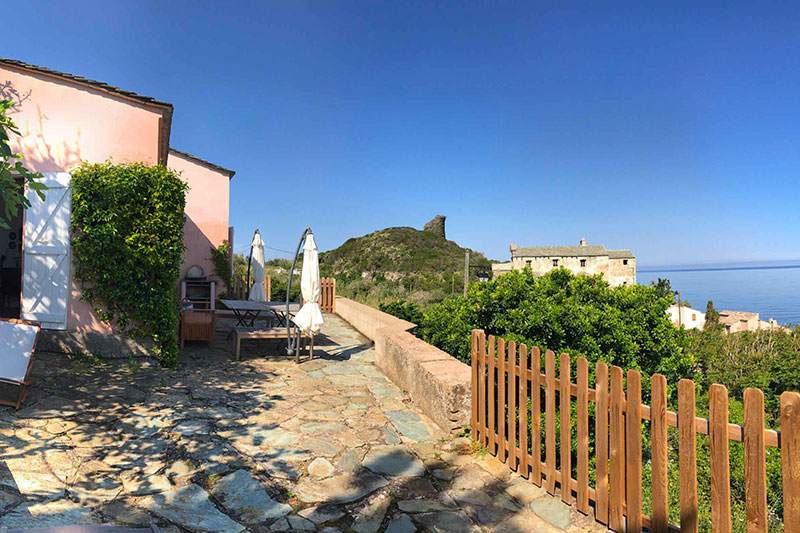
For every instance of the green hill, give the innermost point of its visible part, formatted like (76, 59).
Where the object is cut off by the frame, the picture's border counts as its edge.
(396, 263)
(396, 253)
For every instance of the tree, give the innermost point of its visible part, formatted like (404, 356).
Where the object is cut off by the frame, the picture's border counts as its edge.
(663, 288)
(712, 316)
(580, 315)
(14, 177)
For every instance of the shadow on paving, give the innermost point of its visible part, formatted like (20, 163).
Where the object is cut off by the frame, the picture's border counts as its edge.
(91, 431)
(233, 443)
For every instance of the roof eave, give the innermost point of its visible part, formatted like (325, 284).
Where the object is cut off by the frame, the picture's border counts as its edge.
(213, 166)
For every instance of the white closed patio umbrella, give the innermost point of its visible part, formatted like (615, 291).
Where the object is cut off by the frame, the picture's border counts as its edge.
(257, 293)
(309, 318)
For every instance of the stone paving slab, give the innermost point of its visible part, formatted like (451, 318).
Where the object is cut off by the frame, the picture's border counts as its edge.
(257, 445)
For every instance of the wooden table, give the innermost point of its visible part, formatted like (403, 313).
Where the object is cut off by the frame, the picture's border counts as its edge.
(247, 311)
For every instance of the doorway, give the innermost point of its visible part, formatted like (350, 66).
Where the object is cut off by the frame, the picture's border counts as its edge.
(11, 265)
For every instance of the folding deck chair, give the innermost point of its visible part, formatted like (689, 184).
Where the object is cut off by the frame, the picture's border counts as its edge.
(17, 345)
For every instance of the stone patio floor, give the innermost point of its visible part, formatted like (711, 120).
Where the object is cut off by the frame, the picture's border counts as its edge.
(257, 445)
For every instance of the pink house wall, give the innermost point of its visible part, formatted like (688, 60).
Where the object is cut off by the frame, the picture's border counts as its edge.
(63, 123)
(206, 210)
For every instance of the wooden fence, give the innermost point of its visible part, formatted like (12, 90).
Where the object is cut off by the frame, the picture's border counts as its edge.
(508, 389)
(327, 297)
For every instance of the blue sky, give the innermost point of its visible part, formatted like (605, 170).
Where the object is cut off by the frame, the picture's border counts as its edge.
(672, 131)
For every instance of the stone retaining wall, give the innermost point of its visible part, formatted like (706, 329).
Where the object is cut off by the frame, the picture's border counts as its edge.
(438, 383)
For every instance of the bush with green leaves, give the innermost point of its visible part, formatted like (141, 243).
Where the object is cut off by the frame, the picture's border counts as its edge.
(403, 309)
(127, 224)
(219, 258)
(579, 315)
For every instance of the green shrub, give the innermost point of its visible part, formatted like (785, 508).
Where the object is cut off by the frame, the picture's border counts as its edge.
(127, 222)
(403, 309)
(222, 268)
(580, 315)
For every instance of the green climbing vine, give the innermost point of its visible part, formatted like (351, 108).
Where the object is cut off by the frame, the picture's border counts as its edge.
(127, 224)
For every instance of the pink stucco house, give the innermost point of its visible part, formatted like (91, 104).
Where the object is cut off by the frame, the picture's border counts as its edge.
(66, 119)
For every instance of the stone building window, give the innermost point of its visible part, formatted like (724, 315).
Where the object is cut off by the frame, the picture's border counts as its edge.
(555, 262)
(624, 261)
(583, 263)
(528, 263)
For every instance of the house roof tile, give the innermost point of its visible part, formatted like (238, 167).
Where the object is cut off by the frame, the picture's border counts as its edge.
(560, 251)
(84, 81)
(214, 166)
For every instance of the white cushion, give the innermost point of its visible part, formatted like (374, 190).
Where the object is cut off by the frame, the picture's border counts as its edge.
(16, 349)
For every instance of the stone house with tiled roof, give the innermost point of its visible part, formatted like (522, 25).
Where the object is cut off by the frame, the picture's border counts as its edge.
(618, 267)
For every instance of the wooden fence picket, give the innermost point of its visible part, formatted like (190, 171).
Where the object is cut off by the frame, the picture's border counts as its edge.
(512, 405)
(550, 420)
(507, 382)
(536, 416)
(565, 421)
(633, 452)
(790, 459)
(719, 451)
(659, 518)
(755, 469)
(583, 436)
(616, 454)
(687, 456)
(502, 400)
(523, 409)
(601, 442)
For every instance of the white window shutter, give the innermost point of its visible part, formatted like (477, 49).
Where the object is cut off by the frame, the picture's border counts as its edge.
(45, 254)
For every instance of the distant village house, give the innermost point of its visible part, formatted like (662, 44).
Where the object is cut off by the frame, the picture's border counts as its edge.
(686, 316)
(735, 321)
(618, 267)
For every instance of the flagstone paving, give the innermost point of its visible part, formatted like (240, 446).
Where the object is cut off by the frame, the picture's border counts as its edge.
(257, 445)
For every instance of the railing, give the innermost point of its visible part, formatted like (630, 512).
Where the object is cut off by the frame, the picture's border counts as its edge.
(327, 297)
(508, 389)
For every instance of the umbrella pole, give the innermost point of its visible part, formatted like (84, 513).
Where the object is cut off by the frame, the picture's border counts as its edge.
(293, 345)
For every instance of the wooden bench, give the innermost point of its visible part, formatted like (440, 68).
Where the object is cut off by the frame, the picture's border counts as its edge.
(240, 333)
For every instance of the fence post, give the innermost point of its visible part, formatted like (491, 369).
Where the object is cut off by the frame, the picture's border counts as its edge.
(719, 451)
(790, 459)
(473, 424)
(512, 405)
(687, 452)
(491, 389)
(755, 468)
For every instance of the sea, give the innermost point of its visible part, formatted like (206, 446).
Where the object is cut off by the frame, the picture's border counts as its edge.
(770, 289)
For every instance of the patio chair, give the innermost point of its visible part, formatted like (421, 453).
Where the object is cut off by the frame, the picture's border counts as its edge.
(17, 345)
(198, 325)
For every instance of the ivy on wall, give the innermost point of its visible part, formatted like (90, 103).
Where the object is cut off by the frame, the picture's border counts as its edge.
(127, 224)
(220, 259)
